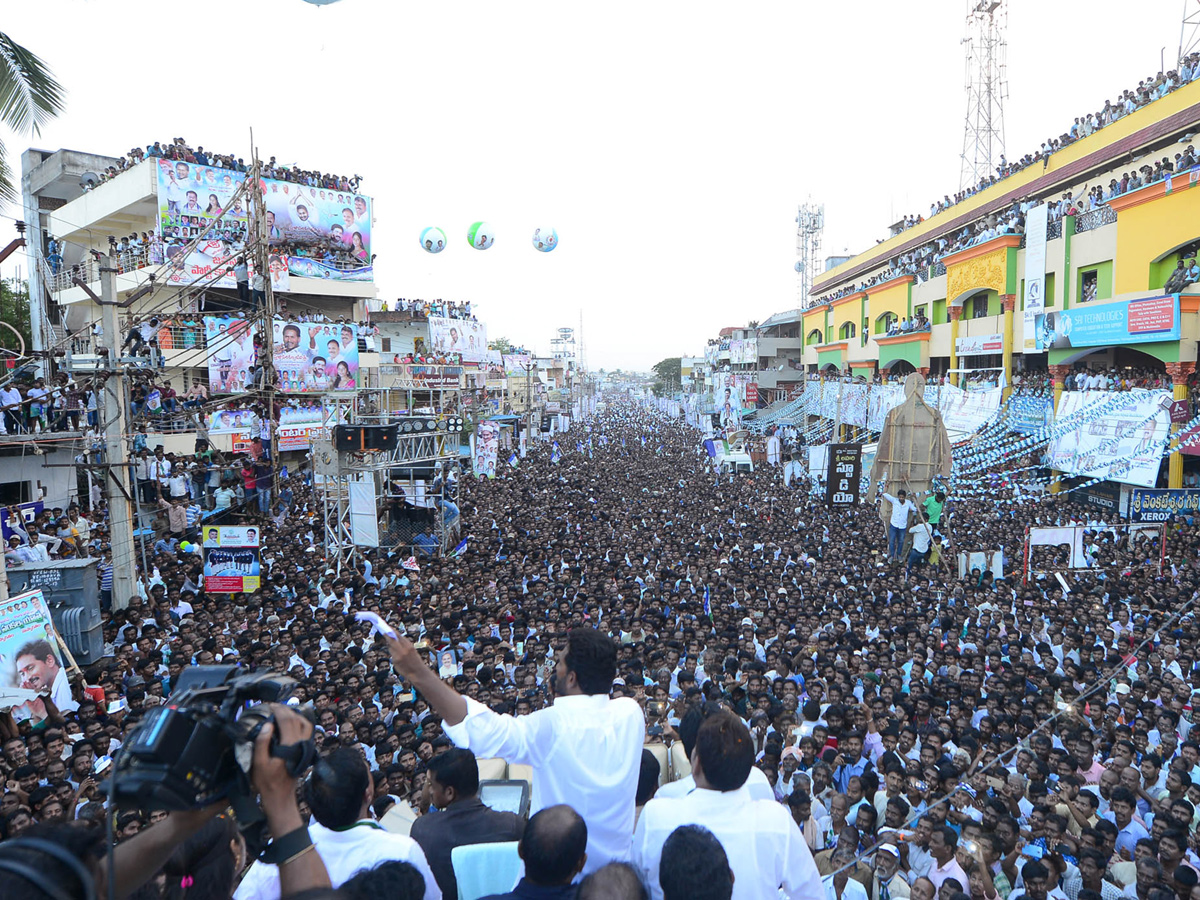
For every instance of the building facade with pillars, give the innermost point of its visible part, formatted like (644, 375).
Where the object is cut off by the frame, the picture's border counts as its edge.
(962, 276)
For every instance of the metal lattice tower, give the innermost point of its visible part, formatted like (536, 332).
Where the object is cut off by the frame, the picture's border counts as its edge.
(810, 226)
(987, 89)
(1189, 30)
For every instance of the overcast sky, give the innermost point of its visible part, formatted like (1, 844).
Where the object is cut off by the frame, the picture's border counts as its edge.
(669, 143)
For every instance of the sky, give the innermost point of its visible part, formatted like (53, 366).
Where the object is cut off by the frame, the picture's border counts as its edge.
(668, 143)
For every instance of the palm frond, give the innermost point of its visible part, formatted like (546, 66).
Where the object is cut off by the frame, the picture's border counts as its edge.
(8, 190)
(29, 94)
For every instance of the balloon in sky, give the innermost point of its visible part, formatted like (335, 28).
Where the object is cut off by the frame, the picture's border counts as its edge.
(433, 239)
(545, 238)
(481, 235)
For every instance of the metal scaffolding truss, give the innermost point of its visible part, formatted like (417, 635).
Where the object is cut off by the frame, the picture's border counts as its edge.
(397, 483)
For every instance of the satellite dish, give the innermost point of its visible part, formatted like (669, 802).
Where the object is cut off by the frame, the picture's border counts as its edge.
(89, 180)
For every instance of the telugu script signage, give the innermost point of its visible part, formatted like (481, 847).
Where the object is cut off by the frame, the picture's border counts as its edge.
(843, 475)
(1155, 505)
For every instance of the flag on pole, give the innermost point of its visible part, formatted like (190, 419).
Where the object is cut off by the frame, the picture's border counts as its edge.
(555, 456)
(411, 564)
(513, 460)
(460, 547)
(707, 605)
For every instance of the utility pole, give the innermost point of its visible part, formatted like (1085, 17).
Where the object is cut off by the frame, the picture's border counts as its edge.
(116, 407)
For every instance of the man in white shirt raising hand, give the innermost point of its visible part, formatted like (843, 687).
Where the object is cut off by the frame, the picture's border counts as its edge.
(586, 749)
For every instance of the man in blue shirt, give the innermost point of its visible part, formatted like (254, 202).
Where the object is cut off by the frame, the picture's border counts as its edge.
(853, 761)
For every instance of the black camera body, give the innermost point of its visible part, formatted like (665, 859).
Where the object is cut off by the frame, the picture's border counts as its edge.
(197, 748)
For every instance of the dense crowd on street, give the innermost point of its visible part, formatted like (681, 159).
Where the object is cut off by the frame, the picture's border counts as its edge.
(861, 720)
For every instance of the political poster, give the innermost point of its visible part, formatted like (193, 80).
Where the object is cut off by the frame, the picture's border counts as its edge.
(844, 475)
(196, 200)
(231, 558)
(315, 356)
(298, 426)
(487, 449)
(232, 421)
(1122, 443)
(315, 268)
(1110, 324)
(461, 336)
(1028, 414)
(967, 411)
(1034, 305)
(517, 364)
(229, 343)
(31, 662)
(302, 214)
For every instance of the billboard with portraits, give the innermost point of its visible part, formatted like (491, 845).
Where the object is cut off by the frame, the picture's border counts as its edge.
(31, 661)
(229, 343)
(315, 356)
(462, 336)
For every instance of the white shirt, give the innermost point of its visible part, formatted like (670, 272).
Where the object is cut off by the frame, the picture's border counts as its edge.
(764, 846)
(756, 784)
(362, 846)
(852, 891)
(900, 511)
(922, 534)
(586, 751)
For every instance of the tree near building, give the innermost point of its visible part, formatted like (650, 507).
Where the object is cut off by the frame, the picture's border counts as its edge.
(503, 344)
(667, 374)
(29, 97)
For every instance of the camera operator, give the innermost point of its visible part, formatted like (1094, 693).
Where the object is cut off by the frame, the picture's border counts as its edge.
(54, 862)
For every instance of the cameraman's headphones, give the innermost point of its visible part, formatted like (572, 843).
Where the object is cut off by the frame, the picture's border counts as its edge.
(22, 868)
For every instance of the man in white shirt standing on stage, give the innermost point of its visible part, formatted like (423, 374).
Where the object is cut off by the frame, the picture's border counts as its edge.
(764, 845)
(586, 749)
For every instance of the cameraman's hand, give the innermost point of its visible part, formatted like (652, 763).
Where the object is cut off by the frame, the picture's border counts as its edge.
(268, 773)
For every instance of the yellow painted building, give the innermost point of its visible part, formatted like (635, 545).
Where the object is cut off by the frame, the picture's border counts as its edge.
(1096, 263)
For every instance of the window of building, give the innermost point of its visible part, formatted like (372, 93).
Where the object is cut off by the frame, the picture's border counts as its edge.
(385, 345)
(1091, 284)
(814, 336)
(979, 306)
(883, 324)
(847, 331)
(14, 492)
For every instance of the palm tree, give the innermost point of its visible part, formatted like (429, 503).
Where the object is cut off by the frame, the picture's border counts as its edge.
(29, 97)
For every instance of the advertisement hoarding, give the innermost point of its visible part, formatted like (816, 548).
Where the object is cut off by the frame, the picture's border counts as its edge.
(1125, 444)
(31, 659)
(1110, 324)
(1036, 223)
(229, 344)
(1162, 505)
(844, 475)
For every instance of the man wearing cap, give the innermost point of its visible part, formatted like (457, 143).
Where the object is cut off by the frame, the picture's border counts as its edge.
(889, 882)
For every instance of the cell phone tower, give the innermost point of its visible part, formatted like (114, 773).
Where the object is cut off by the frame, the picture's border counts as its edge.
(1189, 31)
(986, 46)
(810, 226)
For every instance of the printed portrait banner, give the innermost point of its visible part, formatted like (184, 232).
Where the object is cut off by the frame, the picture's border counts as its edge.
(231, 558)
(967, 411)
(1153, 505)
(1028, 414)
(1124, 445)
(517, 364)
(30, 659)
(487, 449)
(460, 336)
(232, 421)
(1110, 324)
(315, 356)
(1035, 274)
(315, 268)
(190, 199)
(312, 215)
(229, 343)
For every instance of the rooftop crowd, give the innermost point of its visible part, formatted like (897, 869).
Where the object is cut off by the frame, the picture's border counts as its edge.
(179, 149)
(856, 726)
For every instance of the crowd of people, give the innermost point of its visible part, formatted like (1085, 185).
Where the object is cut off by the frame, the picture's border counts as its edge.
(858, 724)
(1012, 220)
(179, 149)
(423, 309)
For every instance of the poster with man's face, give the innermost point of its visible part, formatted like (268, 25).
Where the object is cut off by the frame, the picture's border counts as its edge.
(31, 662)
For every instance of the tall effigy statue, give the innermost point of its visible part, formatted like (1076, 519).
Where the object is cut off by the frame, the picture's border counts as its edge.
(913, 447)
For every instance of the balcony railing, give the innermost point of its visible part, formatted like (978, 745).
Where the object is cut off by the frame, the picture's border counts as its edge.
(939, 269)
(60, 277)
(1054, 230)
(1095, 218)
